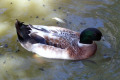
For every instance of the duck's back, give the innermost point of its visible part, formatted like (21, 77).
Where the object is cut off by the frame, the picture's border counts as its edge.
(55, 33)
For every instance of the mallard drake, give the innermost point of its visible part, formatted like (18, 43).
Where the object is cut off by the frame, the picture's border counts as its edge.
(56, 42)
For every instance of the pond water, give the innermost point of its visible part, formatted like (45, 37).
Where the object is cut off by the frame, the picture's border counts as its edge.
(18, 64)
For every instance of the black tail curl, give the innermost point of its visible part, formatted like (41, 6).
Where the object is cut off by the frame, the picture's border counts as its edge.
(22, 31)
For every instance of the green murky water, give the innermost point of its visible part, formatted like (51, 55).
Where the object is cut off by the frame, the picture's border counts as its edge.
(18, 64)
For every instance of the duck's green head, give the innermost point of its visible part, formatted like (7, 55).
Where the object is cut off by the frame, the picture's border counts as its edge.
(89, 35)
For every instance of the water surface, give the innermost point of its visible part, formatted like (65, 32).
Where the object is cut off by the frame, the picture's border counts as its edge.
(18, 64)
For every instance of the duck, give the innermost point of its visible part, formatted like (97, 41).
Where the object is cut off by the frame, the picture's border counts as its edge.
(56, 42)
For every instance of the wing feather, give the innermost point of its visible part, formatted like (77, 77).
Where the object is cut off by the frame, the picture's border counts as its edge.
(54, 36)
(56, 42)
